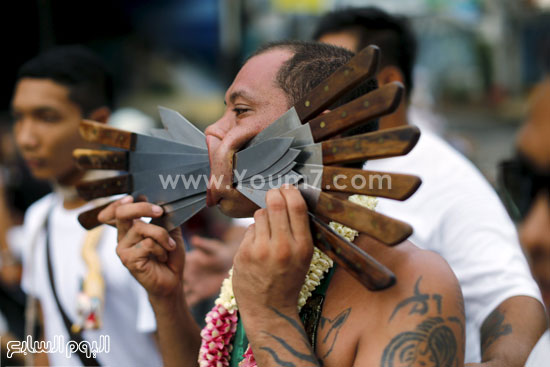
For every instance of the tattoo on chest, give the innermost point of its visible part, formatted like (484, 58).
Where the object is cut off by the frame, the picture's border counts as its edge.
(432, 343)
(493, 328)
(331, 328)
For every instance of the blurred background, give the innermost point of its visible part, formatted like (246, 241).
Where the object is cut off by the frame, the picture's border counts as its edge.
(477, 58)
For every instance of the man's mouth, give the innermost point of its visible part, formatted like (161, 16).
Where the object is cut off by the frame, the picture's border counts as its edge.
(35, 163)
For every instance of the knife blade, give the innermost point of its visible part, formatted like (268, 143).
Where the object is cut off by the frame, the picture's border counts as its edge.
(176, 213)
(134, 161)
(181, 129)
(258, 158)
(280, 167)
(361, 67)
(103, 134)
(357, 181)
(291, 178)
(161, 133)
(164, 185)
(359, 148)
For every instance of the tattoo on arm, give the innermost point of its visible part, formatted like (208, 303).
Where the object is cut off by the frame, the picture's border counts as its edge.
(301, 358)
(493, 328)
(432, 342)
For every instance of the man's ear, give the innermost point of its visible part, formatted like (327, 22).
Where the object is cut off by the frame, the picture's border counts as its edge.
(389, 74)
(100, 114)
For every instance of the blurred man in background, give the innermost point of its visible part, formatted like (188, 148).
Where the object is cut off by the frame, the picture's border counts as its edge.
(455, 213)
(84, 291)
(526, 189)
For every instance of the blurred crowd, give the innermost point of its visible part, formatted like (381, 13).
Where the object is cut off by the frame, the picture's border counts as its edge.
(58, 279)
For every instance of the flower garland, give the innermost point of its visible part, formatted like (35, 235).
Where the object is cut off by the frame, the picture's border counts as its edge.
(221, 321)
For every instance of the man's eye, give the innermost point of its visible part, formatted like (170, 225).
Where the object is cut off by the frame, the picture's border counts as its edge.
(49, 117)
(240, 111)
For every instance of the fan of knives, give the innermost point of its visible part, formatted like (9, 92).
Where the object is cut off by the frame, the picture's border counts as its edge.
(170, 167)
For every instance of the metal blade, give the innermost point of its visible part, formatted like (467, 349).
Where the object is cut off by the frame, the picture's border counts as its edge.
(256, 196)
(258, 158)
(311, 154)
(150, 144)
(182, 184)
(302, 136)
(312, 173)
(151, 161)
(287, 122)
(280, 167)
(178, 212)
(292, 178)
(181, 129)
(161, 133)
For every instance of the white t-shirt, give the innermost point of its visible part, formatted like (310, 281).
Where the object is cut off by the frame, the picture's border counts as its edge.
(128, 318)
(457, 214)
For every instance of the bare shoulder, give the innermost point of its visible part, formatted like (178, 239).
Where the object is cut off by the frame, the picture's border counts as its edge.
(419, 319)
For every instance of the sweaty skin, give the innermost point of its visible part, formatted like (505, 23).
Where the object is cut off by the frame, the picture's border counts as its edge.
(421, 318)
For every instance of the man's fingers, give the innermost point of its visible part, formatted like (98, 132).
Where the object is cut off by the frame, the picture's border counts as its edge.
(138, 210)
(297, 212)
(107, 215)
(261, 225)
(152, 248)
(277, 213)
(141, 230)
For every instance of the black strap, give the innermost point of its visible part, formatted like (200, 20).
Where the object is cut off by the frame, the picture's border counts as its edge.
(77, 337)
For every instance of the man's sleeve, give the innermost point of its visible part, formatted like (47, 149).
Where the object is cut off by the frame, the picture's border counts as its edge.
(486, 257)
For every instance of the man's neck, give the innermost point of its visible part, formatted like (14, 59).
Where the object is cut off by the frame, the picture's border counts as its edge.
(65, 187)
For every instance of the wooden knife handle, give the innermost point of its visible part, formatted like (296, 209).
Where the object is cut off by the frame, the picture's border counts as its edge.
(89, 190)
(372, 105)
(360, 68)
(101, 133)
(378, 144)
(101, 159)
(385, 229)
(88, 219)
(363, 267)
(395, 186)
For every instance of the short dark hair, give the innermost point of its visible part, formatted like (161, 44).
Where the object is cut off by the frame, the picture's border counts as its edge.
(311, 63)
(89, 81)
(376, 27)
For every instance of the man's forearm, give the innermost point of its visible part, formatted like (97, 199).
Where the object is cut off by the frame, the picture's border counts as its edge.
(178, 333)
(511, 331)
(279, 339)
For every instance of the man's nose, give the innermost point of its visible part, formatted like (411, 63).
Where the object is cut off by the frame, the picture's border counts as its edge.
(26, 134)
(219, 128)
(535, 229)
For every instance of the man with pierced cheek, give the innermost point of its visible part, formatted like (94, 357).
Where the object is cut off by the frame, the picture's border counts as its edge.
(417, 320)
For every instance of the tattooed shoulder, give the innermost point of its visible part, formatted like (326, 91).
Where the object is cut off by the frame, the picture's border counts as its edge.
(435, 337)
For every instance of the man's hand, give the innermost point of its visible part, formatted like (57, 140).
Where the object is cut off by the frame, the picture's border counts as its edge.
(273, 259)
(206, 266)
(153, 256)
